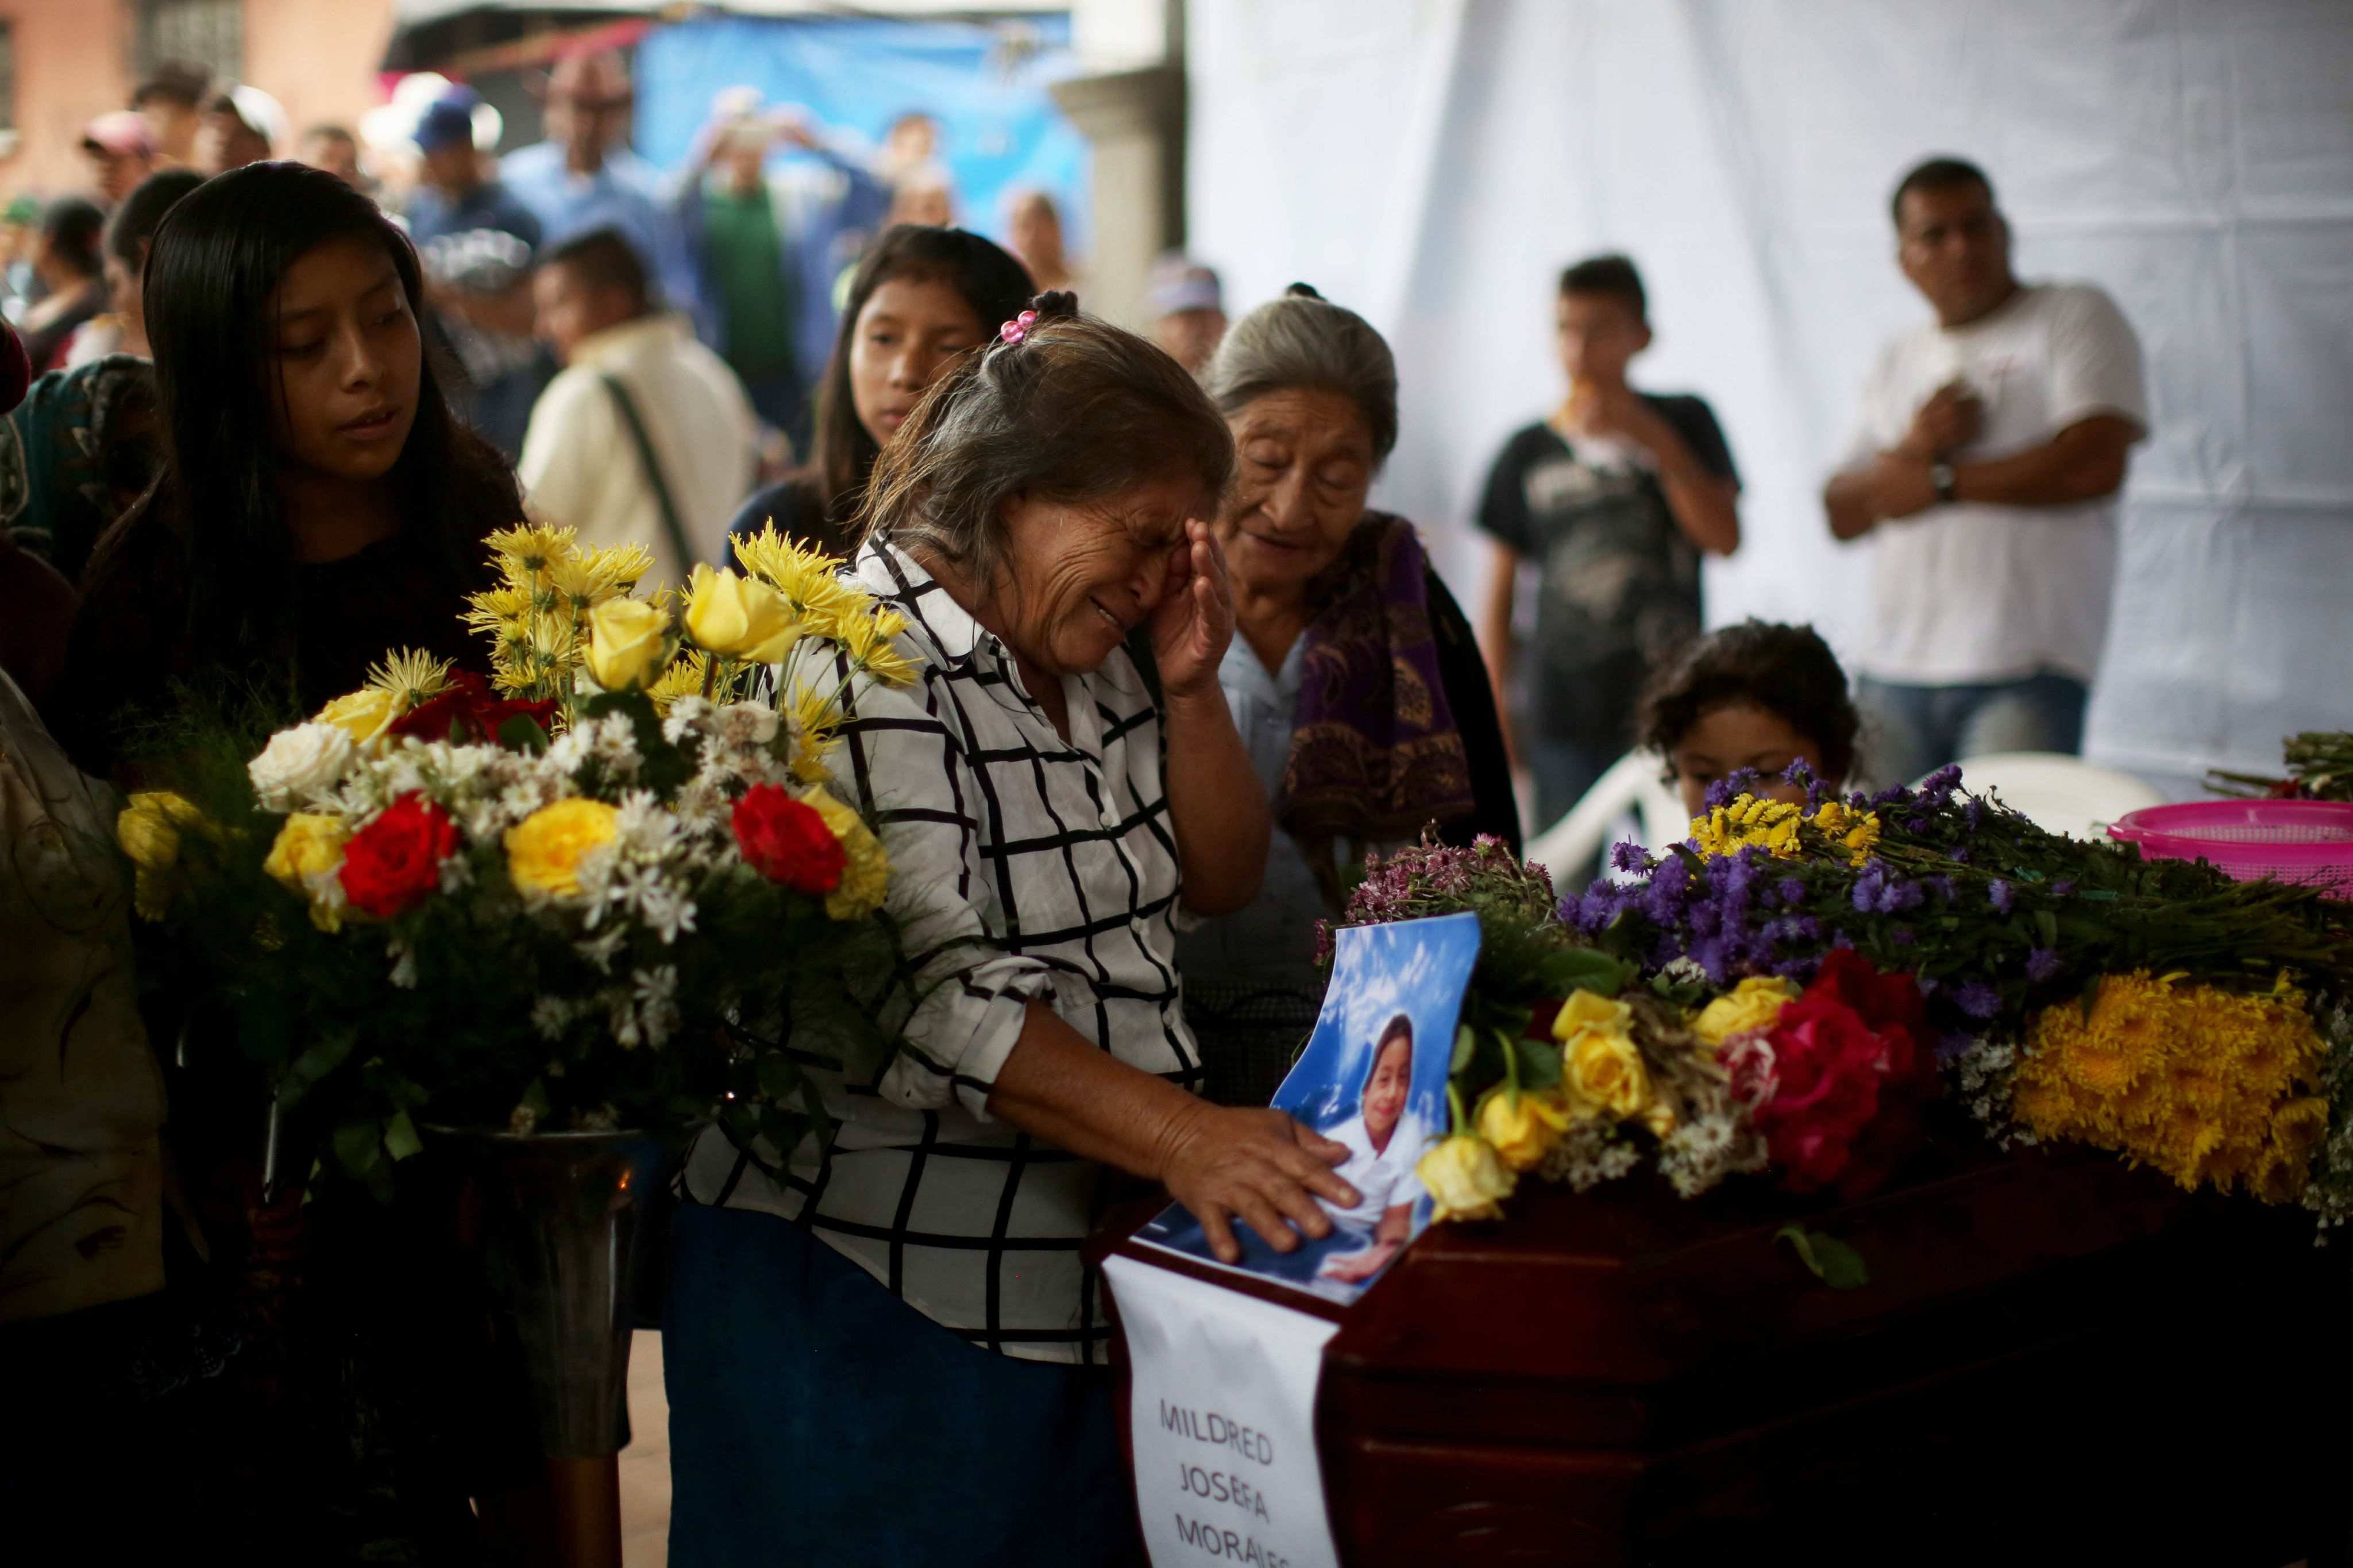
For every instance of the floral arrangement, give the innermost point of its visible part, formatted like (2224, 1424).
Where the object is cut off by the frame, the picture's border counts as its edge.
(2319, 766)
(1800, 979)
(591, 891)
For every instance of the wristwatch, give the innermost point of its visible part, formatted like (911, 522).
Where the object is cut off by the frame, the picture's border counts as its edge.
(1944, 481)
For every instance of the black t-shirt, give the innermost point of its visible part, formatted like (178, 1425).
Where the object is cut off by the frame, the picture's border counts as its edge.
(1619, 580)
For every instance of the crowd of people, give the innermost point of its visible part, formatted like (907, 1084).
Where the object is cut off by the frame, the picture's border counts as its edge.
(1177, 676)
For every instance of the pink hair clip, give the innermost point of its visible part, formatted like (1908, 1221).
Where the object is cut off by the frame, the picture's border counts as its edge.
(1014, 331)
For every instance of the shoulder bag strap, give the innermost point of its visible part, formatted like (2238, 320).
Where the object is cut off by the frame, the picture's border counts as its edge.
(652, 465)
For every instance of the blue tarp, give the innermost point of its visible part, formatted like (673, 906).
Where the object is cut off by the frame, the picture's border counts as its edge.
(985, 83)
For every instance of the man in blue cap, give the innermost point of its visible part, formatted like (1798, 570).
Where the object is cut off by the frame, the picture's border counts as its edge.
(477, 240)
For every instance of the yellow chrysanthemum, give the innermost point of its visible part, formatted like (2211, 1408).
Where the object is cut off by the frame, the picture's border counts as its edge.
(808, 579)
(543, 849)
(867, 639)
(818, 717)
(1857, 831)
(593, 576)
(865, 868)
(412, 675)
(533, 550)
(1750, 820)
(682, 679)
(2204, 1084)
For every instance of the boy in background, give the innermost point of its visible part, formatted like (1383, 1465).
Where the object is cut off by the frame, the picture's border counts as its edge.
(1610, 500)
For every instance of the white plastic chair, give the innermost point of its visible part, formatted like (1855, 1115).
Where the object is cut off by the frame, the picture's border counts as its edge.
(2057, 791)
(1633, 783)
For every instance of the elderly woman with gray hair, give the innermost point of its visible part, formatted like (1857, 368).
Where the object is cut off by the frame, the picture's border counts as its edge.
(1354, 682)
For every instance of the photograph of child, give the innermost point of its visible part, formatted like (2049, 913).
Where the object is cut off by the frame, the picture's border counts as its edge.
(1380, 1163)
(1372, 1079)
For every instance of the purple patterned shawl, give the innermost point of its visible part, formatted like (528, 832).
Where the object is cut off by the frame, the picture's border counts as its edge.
(1375, 754)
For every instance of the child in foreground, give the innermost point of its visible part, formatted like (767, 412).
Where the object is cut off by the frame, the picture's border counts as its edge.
(1754, 696)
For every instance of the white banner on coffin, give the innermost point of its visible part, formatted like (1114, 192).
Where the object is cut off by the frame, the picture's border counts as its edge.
(1222, 1408)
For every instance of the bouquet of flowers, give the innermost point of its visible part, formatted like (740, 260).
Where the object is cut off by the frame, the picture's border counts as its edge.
(597, 890)
(1798, 980)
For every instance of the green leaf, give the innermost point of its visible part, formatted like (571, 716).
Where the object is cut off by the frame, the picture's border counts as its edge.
(522, 734)
(1540, 1063)
(400, 1138)
(321, 1058)
(359, 1148)
(1831, 1260)
(1466, 1041)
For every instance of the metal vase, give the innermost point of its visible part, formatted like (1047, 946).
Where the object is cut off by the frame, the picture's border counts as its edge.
(559, 1248)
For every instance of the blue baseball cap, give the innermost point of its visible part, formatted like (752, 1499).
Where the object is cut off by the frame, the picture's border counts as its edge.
(447, 121)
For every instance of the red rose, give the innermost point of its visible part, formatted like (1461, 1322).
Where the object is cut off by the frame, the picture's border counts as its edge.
(1851, 1073)
(393, 863)
(467, 707)
(787, 841)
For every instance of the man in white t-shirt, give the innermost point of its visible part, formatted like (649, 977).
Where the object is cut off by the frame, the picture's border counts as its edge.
(1987, 456)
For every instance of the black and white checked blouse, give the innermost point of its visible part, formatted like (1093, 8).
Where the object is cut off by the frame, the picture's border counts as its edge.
(1022, 866)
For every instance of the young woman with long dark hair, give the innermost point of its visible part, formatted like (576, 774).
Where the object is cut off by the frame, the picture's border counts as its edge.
(317, 507)
(318, 503)
(920, 299)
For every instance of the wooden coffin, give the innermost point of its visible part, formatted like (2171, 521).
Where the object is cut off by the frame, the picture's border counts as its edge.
(2057, 1358)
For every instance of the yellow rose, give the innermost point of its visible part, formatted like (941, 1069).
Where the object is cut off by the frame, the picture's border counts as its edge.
(308, 851)
(1522, 1133)
(365, 713)
(865, 868)
(543, 849)
(1603, 1075)
(1753, 1003)
(1465, 1179)
(740, 617)
(149, 831)
(627, 643)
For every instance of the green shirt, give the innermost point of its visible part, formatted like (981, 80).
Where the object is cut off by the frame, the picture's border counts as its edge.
(747, 261)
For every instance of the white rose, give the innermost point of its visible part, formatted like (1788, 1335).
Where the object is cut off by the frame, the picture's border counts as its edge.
(300, 762)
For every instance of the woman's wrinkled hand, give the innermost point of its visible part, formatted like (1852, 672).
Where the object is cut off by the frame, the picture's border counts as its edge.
(1194, 621)
(1260, 1167)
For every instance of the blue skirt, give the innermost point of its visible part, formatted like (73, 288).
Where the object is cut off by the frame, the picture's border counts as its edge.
(816, 1419)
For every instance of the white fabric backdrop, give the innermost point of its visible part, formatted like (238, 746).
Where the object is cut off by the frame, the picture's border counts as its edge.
(1434, 162)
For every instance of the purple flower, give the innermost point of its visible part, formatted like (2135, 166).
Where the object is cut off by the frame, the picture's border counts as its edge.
(1978, 999)
(1975, 812)
(1792, 890)
(1940, 886)
(1628, 857)
(2062, 889)
(1952, 1043)
(2041, 963)
(2003, 899)
(1957, 855)
(1904, 936)
(1731, 786)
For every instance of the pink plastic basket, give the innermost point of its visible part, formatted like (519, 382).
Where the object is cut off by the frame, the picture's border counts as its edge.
(2307, 841)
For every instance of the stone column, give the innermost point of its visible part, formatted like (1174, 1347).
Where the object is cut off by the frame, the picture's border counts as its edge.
(1135, 119)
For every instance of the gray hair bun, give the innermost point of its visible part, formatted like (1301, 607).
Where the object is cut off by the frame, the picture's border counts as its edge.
(1304, 340)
